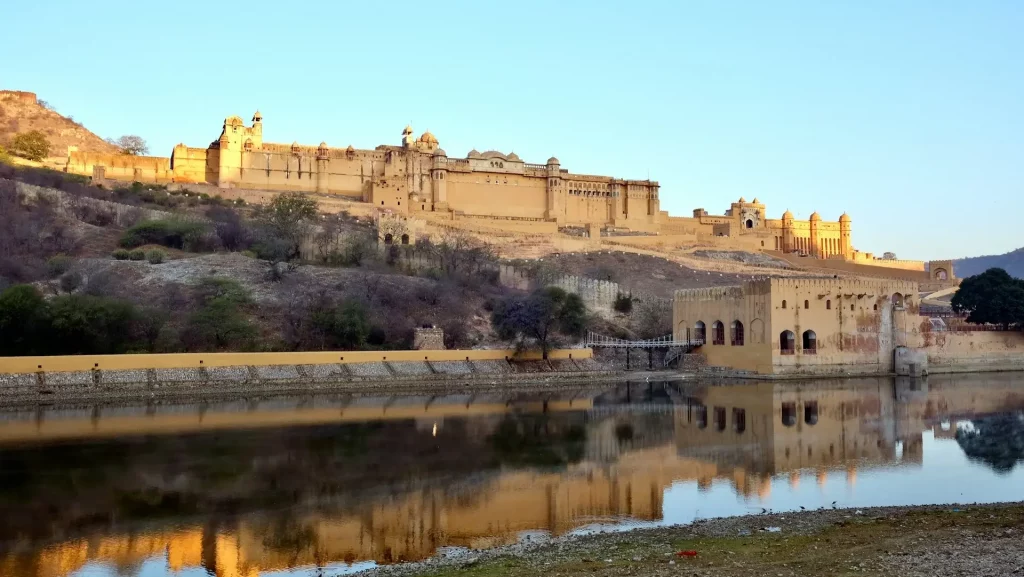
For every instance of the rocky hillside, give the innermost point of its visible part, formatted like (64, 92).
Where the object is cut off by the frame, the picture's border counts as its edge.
(1012, 262)
(23, 112)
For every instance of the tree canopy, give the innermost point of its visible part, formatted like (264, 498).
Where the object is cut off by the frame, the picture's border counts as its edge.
(130, 144)
(540, 317)
(32, 145)
(992, 297)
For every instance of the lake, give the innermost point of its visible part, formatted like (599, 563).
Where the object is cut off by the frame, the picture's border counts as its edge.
(325, 484)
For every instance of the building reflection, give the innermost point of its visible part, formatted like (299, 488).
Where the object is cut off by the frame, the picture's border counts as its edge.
(590, 459)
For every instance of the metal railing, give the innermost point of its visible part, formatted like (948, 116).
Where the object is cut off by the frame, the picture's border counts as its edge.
(597, 340)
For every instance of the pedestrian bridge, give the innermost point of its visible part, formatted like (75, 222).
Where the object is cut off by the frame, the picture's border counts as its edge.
(595, 340)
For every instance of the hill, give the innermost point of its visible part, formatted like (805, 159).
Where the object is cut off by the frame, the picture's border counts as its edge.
(23, 112)
(1012, 262)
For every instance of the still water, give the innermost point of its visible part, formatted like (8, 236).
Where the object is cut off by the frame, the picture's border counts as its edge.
(311, 485)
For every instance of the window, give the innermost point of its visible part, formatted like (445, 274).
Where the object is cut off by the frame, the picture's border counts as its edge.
(811, 412)
(388, 239)
(876, 306)
(702, 417)
(737, 333)
(405, 239)
(807, 305)
(739, 420)
(810, 342)
(719, 419)
(717, 333)
(750, 223)
(783, 303)
(828, 304)
(698, 331)
(789, 414)
(897, 300)
(851, 307)
(787, 343)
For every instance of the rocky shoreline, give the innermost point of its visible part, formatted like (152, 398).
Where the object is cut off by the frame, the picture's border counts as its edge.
(928, 540)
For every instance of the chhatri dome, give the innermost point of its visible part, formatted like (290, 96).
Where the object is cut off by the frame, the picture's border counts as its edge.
(844, 218)
(755, 201)
(553, 160)
(815, 216)
(407, 131)
(428, 138)
(787, 215)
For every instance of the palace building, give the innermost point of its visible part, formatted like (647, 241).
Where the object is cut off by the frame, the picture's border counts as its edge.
(417, 177)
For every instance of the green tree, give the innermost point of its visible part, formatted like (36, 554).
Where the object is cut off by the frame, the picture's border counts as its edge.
(540, 317)
(221, 322)
(85, 324)
(32, 145)
(992, 297)
(23, 320)
(283, 224)
(345, 326)
(5, 157)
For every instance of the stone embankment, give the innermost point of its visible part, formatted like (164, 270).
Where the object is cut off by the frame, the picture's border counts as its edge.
(394, 376)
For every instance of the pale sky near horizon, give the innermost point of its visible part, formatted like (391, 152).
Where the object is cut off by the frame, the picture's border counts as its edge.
(906, 114)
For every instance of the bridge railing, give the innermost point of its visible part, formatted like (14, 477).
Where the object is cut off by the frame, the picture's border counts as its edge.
(668, 341)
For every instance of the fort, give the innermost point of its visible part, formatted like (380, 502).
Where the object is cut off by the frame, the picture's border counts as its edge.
(417, 179)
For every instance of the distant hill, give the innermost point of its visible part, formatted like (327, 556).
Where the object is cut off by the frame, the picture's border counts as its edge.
(1012, 262)
(23, 112)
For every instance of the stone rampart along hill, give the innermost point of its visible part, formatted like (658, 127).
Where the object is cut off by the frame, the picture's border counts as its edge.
(1012, 262)
(23, 112)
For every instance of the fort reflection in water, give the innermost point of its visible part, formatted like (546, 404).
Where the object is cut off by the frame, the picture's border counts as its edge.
(291, 484)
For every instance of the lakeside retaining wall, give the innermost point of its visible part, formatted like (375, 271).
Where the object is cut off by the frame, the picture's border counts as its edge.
(45, 379)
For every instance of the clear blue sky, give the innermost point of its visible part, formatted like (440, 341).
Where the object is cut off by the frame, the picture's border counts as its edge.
(906, 114)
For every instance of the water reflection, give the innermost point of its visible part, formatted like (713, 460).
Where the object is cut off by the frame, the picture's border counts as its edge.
(291, 484)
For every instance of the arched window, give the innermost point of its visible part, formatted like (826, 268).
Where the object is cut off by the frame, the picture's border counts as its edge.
(941, 274)
(810, 342)
(405, 239)
(787, 343)
(807, 304)
(737, 333)
(698, 331)
(788, 414)
(739, 420)
(783, 303)
(828, 304)
(719, 419)
(897, 300)
(811, 412)
(702, 417)
(750, 223)
(717, 333)
(388, 239)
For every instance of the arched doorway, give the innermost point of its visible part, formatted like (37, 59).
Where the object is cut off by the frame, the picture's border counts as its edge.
(750, 223)
(698, 331)
(941, 274)
(405, 239)
(388, 239)
(810, 342)
(897, 300)
(787, 342)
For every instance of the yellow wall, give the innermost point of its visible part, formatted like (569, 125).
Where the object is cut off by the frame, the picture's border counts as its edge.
(196, 360)
(748, 305)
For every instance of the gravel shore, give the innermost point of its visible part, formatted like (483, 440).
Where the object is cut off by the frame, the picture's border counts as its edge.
(951, 540)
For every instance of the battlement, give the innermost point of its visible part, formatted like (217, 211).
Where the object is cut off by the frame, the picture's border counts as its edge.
(846, 283)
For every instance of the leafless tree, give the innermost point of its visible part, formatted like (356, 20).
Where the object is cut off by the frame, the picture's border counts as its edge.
(130, 144)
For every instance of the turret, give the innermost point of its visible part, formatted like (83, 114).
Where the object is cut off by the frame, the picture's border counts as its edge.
(815, 242)
(408, 140)
(323, 160)
(439, 180)
(845, 242)
(553, 208)
(787, 232)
